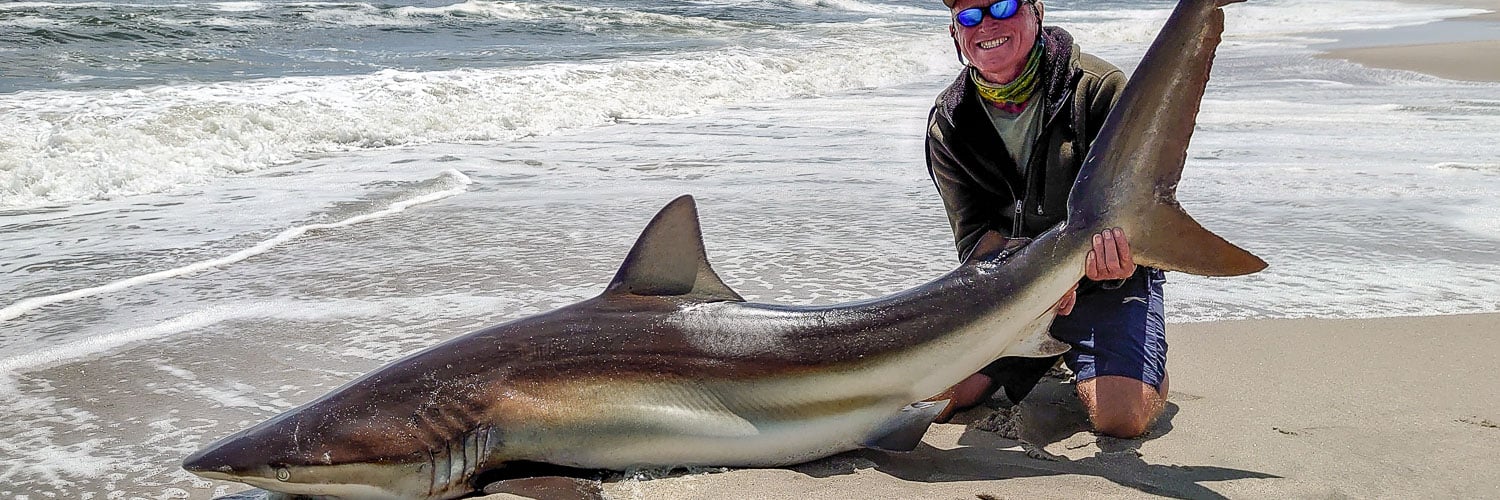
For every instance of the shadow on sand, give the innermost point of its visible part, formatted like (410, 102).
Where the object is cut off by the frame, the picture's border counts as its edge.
(1051, 418)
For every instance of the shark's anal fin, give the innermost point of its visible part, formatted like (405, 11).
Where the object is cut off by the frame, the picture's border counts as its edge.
(904, 431)
(669, 260)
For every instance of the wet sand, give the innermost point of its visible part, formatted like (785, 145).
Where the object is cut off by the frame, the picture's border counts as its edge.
(1472, 60)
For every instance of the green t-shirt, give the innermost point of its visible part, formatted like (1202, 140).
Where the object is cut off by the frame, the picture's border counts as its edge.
(1019, 130)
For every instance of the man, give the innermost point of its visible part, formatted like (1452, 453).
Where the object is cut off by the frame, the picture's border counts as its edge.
(1005, 143)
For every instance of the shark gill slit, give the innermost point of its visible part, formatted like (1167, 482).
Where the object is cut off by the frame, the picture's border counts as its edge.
(491, 441)
(458, 460)
(437, 427)
(471, 455)
(431, 474)
(472, 458)
(433, 430)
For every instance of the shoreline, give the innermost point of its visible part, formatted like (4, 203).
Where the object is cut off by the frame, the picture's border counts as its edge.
(1470, 59)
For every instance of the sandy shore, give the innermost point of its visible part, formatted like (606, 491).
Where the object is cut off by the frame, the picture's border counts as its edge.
(1471, 61)
(1382, 408)
(1468, 60)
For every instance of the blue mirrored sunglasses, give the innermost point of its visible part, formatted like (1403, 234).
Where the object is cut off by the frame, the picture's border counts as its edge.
(1002, 9)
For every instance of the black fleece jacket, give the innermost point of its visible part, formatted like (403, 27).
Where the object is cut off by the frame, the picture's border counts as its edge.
(980, 184)
(978, 180)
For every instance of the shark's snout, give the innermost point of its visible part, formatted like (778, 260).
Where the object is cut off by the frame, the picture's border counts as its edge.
(301, 453)
(264, 452)
(229, 459)
(205, 461)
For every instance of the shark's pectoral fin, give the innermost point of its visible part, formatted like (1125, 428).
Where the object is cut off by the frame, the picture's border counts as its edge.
(253, 494)
(669, 259)
(904, 431)
(549, 488)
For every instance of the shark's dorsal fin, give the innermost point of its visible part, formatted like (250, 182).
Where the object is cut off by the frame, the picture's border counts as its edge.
(669, 260)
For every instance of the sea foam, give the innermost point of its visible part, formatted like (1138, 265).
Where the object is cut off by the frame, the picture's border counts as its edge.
(1255, 20)
(62, 146)
(457, 183)
(257, 310)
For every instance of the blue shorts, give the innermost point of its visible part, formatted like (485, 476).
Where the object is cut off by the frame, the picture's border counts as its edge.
(1118, 332)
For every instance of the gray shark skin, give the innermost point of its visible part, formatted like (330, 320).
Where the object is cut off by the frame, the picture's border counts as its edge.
(669, 367)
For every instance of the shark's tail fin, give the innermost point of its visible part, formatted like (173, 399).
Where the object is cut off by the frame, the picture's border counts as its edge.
(1130, 177)
(1169, 239)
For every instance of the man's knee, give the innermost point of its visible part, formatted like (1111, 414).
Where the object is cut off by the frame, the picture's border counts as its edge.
(963, 395)
(1122, 424)
(1120, 406)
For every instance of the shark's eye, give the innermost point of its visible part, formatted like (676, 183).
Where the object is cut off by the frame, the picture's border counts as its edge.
(283, 474)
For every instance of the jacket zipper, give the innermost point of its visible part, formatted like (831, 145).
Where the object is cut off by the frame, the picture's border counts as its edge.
(1036, 149)
(1020, 212)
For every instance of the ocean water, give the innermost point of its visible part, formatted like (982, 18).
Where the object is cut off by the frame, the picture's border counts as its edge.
(213, 211)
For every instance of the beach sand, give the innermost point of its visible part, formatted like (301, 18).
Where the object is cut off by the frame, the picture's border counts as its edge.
(1377, 408)
(1471, 61)
(1476, 60)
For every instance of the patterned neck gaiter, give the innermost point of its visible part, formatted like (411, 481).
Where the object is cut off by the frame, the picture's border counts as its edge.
(1013, 95)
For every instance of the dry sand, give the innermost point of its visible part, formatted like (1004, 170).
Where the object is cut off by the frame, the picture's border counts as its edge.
(1381, 408)
(1471, 61)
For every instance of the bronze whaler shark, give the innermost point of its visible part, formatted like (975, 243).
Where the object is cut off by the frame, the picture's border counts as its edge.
(670, 367)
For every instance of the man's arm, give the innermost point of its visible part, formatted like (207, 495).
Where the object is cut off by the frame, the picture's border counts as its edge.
(1101, 100)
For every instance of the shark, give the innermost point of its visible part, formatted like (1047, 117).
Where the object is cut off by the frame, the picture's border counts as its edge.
(671, 367)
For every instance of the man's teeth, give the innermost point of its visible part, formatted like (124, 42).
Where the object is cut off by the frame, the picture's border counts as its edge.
(990, 44)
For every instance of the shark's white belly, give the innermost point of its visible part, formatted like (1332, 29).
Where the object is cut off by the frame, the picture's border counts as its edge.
(766, 444)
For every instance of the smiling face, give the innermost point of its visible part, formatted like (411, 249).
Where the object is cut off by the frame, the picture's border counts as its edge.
(997, 47)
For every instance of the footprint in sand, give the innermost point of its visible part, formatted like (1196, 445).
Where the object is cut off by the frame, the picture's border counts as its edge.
(1479, 422)
(1182, 396)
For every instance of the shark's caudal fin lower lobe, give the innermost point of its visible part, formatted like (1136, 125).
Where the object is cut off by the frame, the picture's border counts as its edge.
(1130, 176)
(669, 259)
(1171, 240)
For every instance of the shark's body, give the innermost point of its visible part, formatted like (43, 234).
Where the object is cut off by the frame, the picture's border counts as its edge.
(670, 367)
